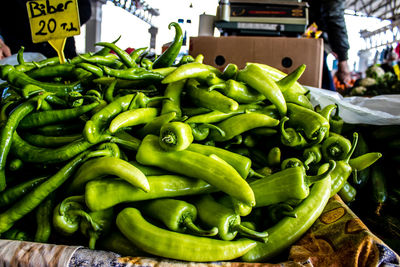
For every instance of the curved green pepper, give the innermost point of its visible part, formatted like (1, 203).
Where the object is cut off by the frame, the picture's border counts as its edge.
(192, 164)
(177, 215)
(335, 147)
(343, 169)
(241, 123)
(314, 126)
(104, 166)
(165, 243)
(260, 80)
(290, 183)
(224, 219)
(168, 57)
(106, 193)
(288, 230)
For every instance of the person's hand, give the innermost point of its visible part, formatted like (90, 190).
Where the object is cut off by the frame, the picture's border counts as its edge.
(343, 72)
(4, 50)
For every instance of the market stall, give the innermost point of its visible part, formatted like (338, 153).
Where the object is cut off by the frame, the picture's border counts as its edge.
(121, 158)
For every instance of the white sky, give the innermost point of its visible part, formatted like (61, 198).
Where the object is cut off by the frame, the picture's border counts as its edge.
(134, 32)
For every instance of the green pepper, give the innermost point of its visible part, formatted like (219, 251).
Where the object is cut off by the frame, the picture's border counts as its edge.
(20, 79)
(310, 122)
(169, 244)
(277, 75)
(185, 59)
(68, 214)
(15, 164)
(12, 194)
(241, 123)
(218, 116)
(230, 71)
(290, 183)
(238, 91)
(289, 80)
(224, 219)
(213, 100)
(172, 103)
(343, 169)
(44, 220)
(292, 162)
(59, 70)
(132, 117)
(103, 220)
(124, 56)
(16, 234)
(32, 199)
(347, 193)
(274, 156)
(168, 57)
(336, 122)
(290, 137)
(201, 131)
(335, 147)
(288, 230)
(106, 193)
(177, 215)
(42, 118)
(154, 126)
(189, 163)
(241, 163)
(276, 212)
(362, 162)
(312, 155)
(7, 133)
(104, 166)
(379, 187)
(133, 74)
(258, 79)
(190, 70)
(60, 129)
(30, 153)
(109, 60)
(135, 54)
(175, 136)
(97, 71)
(50, 141)
(298, 99)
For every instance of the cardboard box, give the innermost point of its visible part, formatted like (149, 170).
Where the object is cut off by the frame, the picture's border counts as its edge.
(283, 53)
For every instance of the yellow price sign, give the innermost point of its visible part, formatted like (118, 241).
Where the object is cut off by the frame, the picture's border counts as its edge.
(53, 21)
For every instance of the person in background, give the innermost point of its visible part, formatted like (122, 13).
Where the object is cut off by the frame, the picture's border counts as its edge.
(329, 17)
(15, 30)
(4, 49)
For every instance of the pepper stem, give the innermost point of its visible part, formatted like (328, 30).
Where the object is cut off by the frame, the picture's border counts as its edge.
(283, 131)
(169, 139)
(217, 86)
(310, 159)
(211, 126)
(261, 236)
(312, 179)
(93, 236)
(353, 147)
(86, 216)
(127, 144)
(196, 230)
(254, 174)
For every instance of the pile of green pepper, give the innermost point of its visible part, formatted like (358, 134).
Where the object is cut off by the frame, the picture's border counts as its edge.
(174, 159)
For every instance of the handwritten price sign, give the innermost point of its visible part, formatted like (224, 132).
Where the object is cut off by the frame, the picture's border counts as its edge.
(53, 19)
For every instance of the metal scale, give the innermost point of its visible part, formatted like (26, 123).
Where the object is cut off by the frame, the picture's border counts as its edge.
(262, 17)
